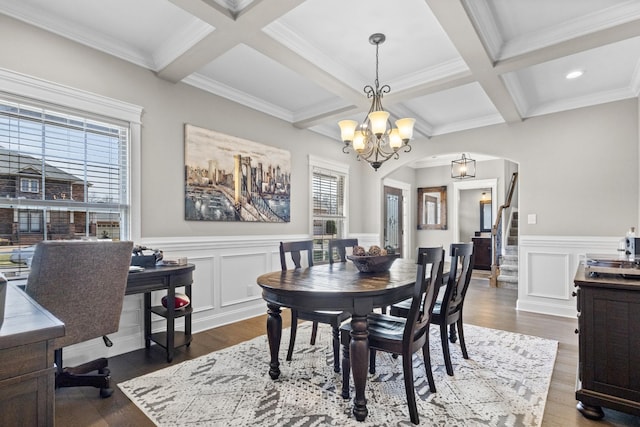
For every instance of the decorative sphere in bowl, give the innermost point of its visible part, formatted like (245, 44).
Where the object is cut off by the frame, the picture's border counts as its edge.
(180, 301)
(373, 263)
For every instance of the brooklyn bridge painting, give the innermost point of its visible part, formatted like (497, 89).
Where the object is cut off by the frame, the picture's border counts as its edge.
(233, 179)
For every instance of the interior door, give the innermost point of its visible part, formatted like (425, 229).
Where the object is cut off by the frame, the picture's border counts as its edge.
(393, 218)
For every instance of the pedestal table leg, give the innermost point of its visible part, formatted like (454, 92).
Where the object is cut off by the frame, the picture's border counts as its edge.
(359, 352)
(274, 334)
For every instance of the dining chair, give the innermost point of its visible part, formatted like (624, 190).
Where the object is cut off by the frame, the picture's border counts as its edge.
(403, 335)
(333, 318)
(340, 246)
(448, 310)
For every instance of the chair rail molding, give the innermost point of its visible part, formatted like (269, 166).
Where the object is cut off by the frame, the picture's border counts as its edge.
(547, 266)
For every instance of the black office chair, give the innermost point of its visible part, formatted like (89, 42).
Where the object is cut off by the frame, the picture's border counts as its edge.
(82, 284)
(333, 318)
(338, 247)
(403, 335)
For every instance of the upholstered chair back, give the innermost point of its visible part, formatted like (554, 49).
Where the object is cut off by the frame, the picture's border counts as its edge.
(82, 283)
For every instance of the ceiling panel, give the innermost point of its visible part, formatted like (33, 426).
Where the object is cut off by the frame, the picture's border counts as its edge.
(460, 107)
(610, 74)
(135, 31)
(451, 64)
(250, 74)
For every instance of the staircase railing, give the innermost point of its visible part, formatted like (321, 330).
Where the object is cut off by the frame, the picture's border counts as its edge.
(495, 269)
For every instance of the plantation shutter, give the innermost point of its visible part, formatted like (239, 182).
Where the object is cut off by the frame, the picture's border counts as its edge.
(328, 210)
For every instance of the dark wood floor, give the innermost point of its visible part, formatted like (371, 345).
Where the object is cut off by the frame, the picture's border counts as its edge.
(485, 306)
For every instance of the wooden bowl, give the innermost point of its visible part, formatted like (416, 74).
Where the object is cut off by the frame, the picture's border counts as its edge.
(373, 264)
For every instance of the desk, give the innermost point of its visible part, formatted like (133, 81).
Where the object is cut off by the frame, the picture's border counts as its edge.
(338, 286)
(157, 279)
(27, 373)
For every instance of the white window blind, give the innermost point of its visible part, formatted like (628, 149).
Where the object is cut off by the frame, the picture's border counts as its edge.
(328, 210)
(62, 175)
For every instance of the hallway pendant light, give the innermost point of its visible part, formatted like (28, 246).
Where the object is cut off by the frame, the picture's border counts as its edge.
(464, 167)
(375, 139)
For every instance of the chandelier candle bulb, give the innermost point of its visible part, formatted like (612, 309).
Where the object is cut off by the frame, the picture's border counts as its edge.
(347, 129)
(378, 122)
(395, 140)
(405, 127)
(358, 141)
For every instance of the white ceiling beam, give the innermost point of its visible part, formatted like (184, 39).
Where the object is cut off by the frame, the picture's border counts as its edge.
(292, 60)
(456, 23)
(569, 47)
(228, 32)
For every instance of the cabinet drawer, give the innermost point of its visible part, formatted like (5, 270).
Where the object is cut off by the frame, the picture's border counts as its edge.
(15, 361)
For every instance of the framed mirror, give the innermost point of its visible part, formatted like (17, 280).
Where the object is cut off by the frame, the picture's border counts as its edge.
(485, 215)
(432, 208)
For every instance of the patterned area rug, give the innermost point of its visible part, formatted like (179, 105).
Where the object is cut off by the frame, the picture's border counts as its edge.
(504, 383)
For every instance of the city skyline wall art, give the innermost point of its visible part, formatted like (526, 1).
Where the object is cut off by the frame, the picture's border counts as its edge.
(233, 179)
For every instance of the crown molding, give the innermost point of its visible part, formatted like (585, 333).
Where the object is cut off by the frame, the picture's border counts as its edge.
(588, 24)
(180, 42)
(220, 89)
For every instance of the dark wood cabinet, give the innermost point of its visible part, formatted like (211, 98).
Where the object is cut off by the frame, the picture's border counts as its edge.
(482, 253)
(27, 372)
(609, 344)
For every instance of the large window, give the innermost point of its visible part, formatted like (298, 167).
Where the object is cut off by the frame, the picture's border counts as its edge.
(329, 214)
(63, 175)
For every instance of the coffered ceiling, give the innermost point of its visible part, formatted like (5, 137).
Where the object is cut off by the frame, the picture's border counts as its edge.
(451, 64)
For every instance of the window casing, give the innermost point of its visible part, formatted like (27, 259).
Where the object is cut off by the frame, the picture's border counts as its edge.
(329, 217)
(77, 183)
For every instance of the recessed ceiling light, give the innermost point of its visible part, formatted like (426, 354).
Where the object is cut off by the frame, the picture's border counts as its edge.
(574, 74)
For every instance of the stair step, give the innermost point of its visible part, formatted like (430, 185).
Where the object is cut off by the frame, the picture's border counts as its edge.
(509, 269)
(508, 279)
(511, 250)
(507, 285)
(509, 263)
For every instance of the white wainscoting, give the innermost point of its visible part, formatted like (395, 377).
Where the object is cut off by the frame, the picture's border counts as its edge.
(547, 266)
(224, 288)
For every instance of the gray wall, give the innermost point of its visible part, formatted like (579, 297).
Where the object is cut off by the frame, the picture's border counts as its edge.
(578, 169)
(167, 107)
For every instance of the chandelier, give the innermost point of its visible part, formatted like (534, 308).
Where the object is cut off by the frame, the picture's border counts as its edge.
(464, 167)
(375, 139)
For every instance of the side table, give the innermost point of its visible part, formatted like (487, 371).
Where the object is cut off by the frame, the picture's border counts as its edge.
(164, 278)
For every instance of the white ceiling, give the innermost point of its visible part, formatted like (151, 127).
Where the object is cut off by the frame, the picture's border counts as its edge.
(451, 64)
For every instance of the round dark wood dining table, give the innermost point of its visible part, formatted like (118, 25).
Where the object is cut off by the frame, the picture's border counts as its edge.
(341, 287)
